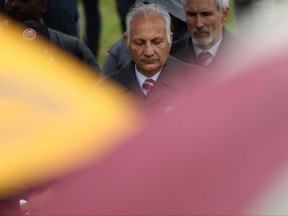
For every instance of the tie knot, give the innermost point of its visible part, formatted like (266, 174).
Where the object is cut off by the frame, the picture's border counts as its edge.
(148, 84)
(203, 58)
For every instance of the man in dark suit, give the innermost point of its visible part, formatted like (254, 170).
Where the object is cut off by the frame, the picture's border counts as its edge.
(32, 11)
(118, 55)
(152, 75)
(209, 43)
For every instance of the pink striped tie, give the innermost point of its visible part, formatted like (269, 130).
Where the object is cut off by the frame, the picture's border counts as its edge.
(148, 84)
(203, 58)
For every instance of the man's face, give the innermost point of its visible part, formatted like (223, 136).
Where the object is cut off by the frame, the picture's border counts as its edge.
(149, 45)
(25, 9)
(204, 22)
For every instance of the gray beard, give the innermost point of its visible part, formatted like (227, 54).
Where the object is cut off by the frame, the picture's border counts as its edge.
(202, 42)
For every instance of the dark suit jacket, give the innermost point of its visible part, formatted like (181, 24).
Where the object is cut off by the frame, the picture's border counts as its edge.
(75, 47)
(176, 77)
(184, 51)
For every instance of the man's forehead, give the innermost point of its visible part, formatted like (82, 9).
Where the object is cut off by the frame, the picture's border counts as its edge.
(141, 22)
(148, 16)
(148, 37)
(148, 26)
(200, 5)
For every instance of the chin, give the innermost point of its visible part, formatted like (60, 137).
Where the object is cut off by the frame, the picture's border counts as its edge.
(18, 18)
(202, 42)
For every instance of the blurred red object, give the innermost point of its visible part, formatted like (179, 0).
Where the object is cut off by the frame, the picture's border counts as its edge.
(213, 157)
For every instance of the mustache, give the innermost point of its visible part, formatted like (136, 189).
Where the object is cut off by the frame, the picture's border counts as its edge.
(199, 31)
(149, 59)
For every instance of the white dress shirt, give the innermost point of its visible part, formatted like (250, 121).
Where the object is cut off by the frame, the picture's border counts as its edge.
(213, 51)
(141, 79)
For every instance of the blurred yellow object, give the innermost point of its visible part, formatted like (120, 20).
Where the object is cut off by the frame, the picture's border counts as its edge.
(54, 117)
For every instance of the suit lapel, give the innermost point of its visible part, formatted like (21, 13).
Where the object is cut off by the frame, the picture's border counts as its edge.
(127, 79)
(189, 53)
(167, 81)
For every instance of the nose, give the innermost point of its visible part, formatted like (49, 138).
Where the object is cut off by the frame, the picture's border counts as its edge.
(199, 22)
(148, 50)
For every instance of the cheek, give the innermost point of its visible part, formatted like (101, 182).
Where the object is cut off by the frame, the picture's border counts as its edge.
(163, 53)
(190, 22)
(133, 49)
(217, 26)
(136, 52)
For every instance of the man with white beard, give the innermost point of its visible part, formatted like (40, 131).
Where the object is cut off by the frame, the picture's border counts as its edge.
(209, 42)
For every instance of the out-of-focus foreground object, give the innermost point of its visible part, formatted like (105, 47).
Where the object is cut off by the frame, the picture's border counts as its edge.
(218, 155)
(54, 118)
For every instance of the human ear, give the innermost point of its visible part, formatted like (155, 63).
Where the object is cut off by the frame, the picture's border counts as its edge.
(225, 15)
(44, 6)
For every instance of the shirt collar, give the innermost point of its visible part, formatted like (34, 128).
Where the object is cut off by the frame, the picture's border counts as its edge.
(141, 78)
(213, 50)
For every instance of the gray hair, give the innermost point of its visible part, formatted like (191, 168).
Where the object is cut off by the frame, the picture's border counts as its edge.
(220, 4)
(146, 10)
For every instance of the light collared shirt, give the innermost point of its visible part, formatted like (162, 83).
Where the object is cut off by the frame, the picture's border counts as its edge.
(141, 79)
(213, 51)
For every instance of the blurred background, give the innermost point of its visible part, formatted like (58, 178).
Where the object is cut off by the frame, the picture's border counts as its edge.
(111, 27)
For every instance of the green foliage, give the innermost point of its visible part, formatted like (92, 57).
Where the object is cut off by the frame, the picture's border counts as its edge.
(230, 22)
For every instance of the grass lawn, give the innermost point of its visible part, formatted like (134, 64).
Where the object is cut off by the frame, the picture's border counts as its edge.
(111, 30)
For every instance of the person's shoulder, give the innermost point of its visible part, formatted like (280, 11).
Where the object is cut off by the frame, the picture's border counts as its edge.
(124, 73)
(57, 36)
(181, 68)
(230, 45)
(74, 46)
(228, 36)
(117, 56)
(185, 41)
(118, 45)
(227, 32)
(127, 69)
(120, 52)
(183, 76)
(182, 48)
(69, 43)
(174, 62)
